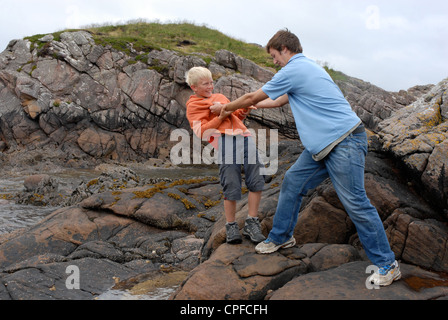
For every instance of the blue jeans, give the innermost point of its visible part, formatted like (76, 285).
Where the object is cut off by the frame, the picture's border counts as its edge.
(345, 166)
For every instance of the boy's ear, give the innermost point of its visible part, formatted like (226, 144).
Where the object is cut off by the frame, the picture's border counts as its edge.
(193, 87)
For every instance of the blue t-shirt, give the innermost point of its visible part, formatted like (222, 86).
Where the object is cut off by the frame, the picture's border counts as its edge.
(321, 112)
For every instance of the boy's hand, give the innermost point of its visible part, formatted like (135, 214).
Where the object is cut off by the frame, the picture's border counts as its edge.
(224, 113)
(216, 108)
(246, 111)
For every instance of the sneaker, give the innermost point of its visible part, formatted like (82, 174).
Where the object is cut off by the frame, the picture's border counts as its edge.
(252, 230)
(233, 233)
(268, 246)
(386, 275)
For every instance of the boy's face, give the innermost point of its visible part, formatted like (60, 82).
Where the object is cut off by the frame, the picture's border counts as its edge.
(204, 88)
(281, 58)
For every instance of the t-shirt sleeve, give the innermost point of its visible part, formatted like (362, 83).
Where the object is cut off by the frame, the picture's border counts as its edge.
(278, 86)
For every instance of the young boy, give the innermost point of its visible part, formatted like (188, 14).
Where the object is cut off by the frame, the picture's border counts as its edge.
(219, 130)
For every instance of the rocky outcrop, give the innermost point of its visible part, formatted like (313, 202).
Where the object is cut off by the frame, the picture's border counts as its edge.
(373, 104)
(120, 238)
(417, 135)
(96, 103)
(110, 237)
(72, 101)
(327, 240)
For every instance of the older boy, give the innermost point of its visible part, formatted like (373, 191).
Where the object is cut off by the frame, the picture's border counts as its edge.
(221, 130)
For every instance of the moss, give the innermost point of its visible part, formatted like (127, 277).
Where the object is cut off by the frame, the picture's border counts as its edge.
(203, 215)
(192, 181)
(6, 196)
(159, 67)
(174, 196)
(92, 183)
(122, 43)
(210, 203)
(149, 193)
(274, 185)
(57, 103)
(188, 204)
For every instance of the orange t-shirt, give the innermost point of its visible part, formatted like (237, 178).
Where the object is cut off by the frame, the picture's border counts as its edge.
(207, 125)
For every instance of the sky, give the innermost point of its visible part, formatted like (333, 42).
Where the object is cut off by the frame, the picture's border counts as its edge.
(393, 44)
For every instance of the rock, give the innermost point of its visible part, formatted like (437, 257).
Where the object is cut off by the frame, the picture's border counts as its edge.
(332, 256)
(163, 205)
(247, 67)
(348, 282)
(237, 272)
(96, 103)
(417, 135)
(41, 190)
(32, 183)
(131, 231)
(372, 104)
(105, 246)
(49, 281)
(421, 242)
(326, 239)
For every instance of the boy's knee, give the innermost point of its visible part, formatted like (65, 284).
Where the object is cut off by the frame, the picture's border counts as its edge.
(256, 185)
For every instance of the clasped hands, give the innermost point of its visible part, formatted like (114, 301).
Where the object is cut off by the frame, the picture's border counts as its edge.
(219, 110)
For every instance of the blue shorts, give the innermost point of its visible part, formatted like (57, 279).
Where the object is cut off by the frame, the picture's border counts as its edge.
(236, 153)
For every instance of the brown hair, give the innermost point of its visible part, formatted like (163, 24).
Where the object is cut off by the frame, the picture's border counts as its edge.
(287, 39)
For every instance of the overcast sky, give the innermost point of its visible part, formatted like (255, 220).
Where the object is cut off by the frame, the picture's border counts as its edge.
(394, 44)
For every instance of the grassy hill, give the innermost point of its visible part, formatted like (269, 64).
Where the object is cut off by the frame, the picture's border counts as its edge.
(186, 38)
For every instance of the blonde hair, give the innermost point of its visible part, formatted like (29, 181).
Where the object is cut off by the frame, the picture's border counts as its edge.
(197, 73)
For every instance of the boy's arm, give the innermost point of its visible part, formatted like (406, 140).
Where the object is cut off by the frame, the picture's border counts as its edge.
(199, 123)
(269, 103)
(240, 113)
(247, 100)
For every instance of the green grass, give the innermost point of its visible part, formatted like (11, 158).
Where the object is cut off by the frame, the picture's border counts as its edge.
(147, 36)
(336, 75)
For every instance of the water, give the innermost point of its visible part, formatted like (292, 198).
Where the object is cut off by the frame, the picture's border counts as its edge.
(156, 294)
(14, 216)
(155, 286)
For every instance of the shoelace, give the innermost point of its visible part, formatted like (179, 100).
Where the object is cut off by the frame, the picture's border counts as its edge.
(384, 270)
(254, 227)
(233, 231)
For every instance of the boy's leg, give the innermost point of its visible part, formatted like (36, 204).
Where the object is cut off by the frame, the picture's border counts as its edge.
(233, 235)
(255, 183)
(254, 203)
(304, 175)
(230, 210)
(252, 226)
(230, 178)
(345, 165)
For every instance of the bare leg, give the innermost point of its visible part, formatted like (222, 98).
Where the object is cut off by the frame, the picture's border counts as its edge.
(230, 210)
(254, 203)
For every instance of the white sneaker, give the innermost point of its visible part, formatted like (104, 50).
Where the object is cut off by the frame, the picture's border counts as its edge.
(386, 275)
(268, 246)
